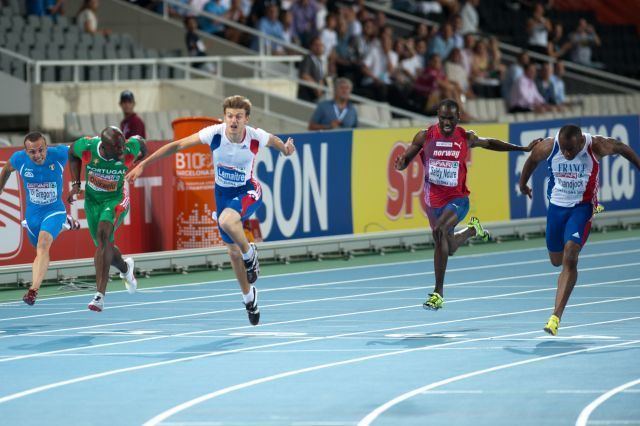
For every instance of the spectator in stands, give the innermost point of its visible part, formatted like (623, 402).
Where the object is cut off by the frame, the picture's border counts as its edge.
(354, 25)
(514, 72)
(338, 112)
(525, 96)
(467, 52)
(470, 17)
(132, 124)
(486, 69)
(87, 18)
(214, 7)
(558, 83)
(421, 32)
(443, 43)
(456, 73)
(458, 37)
(321, 15)
(582, 40)
(545, 85)
(329, 37)
(378, 66)
(432, 86)
(538, 28)
(311, 70)
(45, 7)
(414, 63)
(195, 46)
(271, 26)
(259, 9)
(558, 46)
(304, 20)
(289, 33)
(344, 60)
(236, 14)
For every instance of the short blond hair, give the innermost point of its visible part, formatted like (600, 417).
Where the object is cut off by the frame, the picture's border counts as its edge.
(237, 102)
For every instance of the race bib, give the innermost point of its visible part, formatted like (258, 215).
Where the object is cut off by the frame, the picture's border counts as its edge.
(43, 193)
(443, 172)
(229, 175)
(103, 182)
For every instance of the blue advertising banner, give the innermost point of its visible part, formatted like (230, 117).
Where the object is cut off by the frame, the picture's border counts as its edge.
(618, 179)
(309, 193)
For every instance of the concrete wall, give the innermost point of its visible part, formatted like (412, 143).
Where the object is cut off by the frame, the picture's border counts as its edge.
(16, 96)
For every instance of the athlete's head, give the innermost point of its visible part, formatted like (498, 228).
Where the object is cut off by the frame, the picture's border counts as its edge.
(448, 116)
(113, 142)
(570, 140)
(236, 111)
(36, 146)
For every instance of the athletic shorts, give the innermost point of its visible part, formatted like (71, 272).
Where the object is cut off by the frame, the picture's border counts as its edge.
(112, 210)
(459, 205)
(49, 221)
(568, 224)
(244, 199)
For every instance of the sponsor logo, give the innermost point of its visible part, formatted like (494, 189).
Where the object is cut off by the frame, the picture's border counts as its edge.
(444, 144)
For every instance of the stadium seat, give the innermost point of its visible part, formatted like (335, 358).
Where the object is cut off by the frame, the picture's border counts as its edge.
(86, 126)
(99, 121)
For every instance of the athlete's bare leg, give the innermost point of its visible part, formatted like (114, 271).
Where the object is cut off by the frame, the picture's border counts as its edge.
(568, 277)
(237, 263)
(231, 222)
(106, 255)
(41, 262)
(446, 221)
(459, 238)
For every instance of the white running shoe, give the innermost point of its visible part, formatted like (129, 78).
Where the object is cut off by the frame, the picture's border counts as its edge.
(129, 278)
(71, 223)
(97, 304)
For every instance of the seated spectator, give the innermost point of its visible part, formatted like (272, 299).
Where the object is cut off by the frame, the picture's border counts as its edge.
(432, 86)
(525, 96)
(421, 32)
(545, 85)
(467, 52)
(87, 18)
(558, 46)
(311, 70)
(304, 20)
(458, 37)
(514, 72)
(344, 60)
(195, 46)
(486, 69)
(214, 7)
(455, 72)
(582, 41)
(538, 28)
(338, 112)
(558, 83)
(259, 9)
(470, 17)
(329, 37)
(271, 26)
(414, 63)
(237, 15)
(377, 68)
(45, 7)
(443, 43)
(289, 34)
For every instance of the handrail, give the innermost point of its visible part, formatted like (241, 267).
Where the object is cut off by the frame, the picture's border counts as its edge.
(597, 75)
(17, 55)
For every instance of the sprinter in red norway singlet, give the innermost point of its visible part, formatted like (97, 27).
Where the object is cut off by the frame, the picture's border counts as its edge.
(443, 149)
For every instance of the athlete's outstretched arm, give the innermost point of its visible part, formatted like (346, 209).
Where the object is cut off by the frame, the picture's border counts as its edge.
(604, 146)
(287, 148)
(143, 149)
(4, 175)
(541, 150)
(75, 168)
(165, 151)
(403, 160)
(475, 141)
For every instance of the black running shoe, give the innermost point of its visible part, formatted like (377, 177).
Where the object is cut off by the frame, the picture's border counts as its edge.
(252, 265)
(252, 309)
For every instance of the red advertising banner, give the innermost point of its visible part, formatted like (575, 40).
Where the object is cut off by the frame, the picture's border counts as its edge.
(144, 229)
(194, 201)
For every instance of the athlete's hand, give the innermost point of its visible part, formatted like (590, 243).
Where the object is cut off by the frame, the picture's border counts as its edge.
(533, 143)
(73, 194)
(289, 147)
(399, 164)
(526, 190)
(134, 173)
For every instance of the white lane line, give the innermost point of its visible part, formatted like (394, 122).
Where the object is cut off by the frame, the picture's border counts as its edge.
(184, 406)
(583, 418)
(373, 415)
(107, 373)
(331, 283)
(315, 285)
(320, 271)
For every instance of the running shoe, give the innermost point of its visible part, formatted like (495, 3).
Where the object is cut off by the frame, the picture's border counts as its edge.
(129, 277)
(30, 297)
(252, 265)
(97, 304)
(252, 308)
(433, 302)
(481, 233)
(552, 325)
(71, 223)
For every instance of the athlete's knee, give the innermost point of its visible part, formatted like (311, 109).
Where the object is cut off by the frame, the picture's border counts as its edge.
(44, 243)
(226, 221)
(439, 233)
(234, 252)
(103, 234)
(570, 255)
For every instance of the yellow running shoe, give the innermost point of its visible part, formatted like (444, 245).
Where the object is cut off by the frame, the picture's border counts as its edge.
(552, 325)
(481, 233)
(597, 209)
(433, 302)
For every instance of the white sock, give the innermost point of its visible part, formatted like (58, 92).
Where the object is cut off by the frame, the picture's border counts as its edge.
(249, 254)
(98, 294)
(248, 298)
